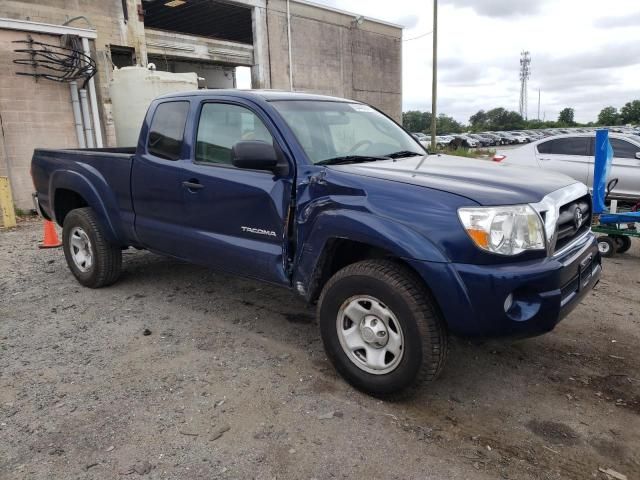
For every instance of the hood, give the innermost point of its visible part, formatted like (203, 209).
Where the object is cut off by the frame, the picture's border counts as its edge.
(485, 182)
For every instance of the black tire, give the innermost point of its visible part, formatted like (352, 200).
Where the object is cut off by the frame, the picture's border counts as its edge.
(400, 290)
(107, 258)
(607, 246)
(623, 243)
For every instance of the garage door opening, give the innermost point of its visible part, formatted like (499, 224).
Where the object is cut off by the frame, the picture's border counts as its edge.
(205, 18)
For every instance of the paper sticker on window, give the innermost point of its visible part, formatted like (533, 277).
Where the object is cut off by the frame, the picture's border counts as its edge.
(361, 108)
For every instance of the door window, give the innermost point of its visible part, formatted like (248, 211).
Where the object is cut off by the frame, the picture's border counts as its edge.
(545, 147)
(223, 125)
(167, 130)
(623, 149)
(565, 146)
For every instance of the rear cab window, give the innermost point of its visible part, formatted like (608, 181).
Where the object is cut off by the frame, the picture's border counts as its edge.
(166, 132)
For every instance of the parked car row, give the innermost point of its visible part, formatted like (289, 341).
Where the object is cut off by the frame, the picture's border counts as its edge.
(516, 137)
(450, 141)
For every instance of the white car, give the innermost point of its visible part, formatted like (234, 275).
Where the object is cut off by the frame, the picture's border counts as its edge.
(573, 155)
(444, 140)
(420, 136)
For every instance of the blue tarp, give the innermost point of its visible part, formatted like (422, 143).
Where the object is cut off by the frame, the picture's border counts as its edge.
(604, 155)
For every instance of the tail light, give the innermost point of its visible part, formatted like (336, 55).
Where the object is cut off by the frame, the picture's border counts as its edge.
(498, 158)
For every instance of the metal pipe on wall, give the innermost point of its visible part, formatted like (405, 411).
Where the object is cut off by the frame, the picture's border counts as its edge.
(289, 44)
(86, 118)
(77, 114)
(93, 98)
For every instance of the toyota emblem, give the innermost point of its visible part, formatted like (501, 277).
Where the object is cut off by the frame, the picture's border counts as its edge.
(577, 218)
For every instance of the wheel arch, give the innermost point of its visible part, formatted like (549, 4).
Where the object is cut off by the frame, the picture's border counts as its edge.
(340, 241)
(71, 190)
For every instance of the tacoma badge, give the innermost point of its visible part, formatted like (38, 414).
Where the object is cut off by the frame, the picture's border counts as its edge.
(259, 231)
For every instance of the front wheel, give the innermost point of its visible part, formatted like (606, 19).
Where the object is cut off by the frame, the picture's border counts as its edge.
(380, 328)
(91, 258)
(607, 246)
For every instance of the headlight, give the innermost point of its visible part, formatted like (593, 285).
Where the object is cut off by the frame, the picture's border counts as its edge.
(504, 230)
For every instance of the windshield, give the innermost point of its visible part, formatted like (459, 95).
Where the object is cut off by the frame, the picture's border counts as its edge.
(330, 130)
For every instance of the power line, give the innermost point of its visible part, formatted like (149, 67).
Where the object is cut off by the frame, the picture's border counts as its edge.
(419, 36)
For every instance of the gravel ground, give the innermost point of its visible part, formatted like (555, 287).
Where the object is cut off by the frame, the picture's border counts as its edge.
(180, 372)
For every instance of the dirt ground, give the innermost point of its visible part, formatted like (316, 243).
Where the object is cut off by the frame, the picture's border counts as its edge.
(180, 372)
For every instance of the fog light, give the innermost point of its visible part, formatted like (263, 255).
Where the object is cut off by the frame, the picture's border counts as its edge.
(508, 302)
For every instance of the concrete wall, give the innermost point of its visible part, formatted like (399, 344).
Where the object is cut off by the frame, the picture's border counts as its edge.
(333, 55)
(32, 114)
(184, 46)
(107, 17)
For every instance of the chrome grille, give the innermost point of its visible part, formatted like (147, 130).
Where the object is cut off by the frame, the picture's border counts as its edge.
(558, 213)
(571, 224)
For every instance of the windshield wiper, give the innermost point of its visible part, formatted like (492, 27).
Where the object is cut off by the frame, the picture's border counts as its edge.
(403, 153)
(351, 159)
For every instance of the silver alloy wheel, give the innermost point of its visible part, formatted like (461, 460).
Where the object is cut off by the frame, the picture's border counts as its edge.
(80, 249)
(370, 334)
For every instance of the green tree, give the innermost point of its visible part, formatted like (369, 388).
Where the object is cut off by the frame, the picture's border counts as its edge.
(566, 117)
(630, 113)
(478, 121)
(535, 124)
(412, 121)
(502, 119)
(608, 116)
(446, 124)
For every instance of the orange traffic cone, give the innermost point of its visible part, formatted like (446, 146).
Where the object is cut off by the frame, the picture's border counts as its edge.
(51, 239)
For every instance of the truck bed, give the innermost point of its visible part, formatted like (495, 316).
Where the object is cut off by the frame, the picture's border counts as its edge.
(103, 173)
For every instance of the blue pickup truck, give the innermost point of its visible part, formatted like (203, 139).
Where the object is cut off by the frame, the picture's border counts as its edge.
(332, 199)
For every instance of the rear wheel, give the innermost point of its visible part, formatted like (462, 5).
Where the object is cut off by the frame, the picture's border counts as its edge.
(380, 329)
(623, 243)
(607, 246)
(91, 258)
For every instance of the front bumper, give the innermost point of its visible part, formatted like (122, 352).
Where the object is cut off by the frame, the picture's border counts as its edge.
(518, 299)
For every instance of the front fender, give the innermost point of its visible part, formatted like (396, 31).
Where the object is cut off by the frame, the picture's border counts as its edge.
(101, 199)
(360, 226)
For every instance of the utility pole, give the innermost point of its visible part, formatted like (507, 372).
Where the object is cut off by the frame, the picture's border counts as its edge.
(538, 104)
(434, 80)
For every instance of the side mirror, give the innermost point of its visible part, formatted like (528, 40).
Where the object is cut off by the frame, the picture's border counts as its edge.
(255, 155)
(638, 155)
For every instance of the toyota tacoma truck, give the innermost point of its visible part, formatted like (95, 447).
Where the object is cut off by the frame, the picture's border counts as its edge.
(332, 199)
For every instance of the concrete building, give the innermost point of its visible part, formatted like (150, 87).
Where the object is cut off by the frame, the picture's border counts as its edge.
(292, 44)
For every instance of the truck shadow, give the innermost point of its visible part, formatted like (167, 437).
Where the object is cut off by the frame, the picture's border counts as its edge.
(201, 288)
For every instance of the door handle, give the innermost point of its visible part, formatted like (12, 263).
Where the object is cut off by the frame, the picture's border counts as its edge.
(544, 159)
(192, 185)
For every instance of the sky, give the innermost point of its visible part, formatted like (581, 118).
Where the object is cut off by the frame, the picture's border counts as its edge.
(585, 54)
